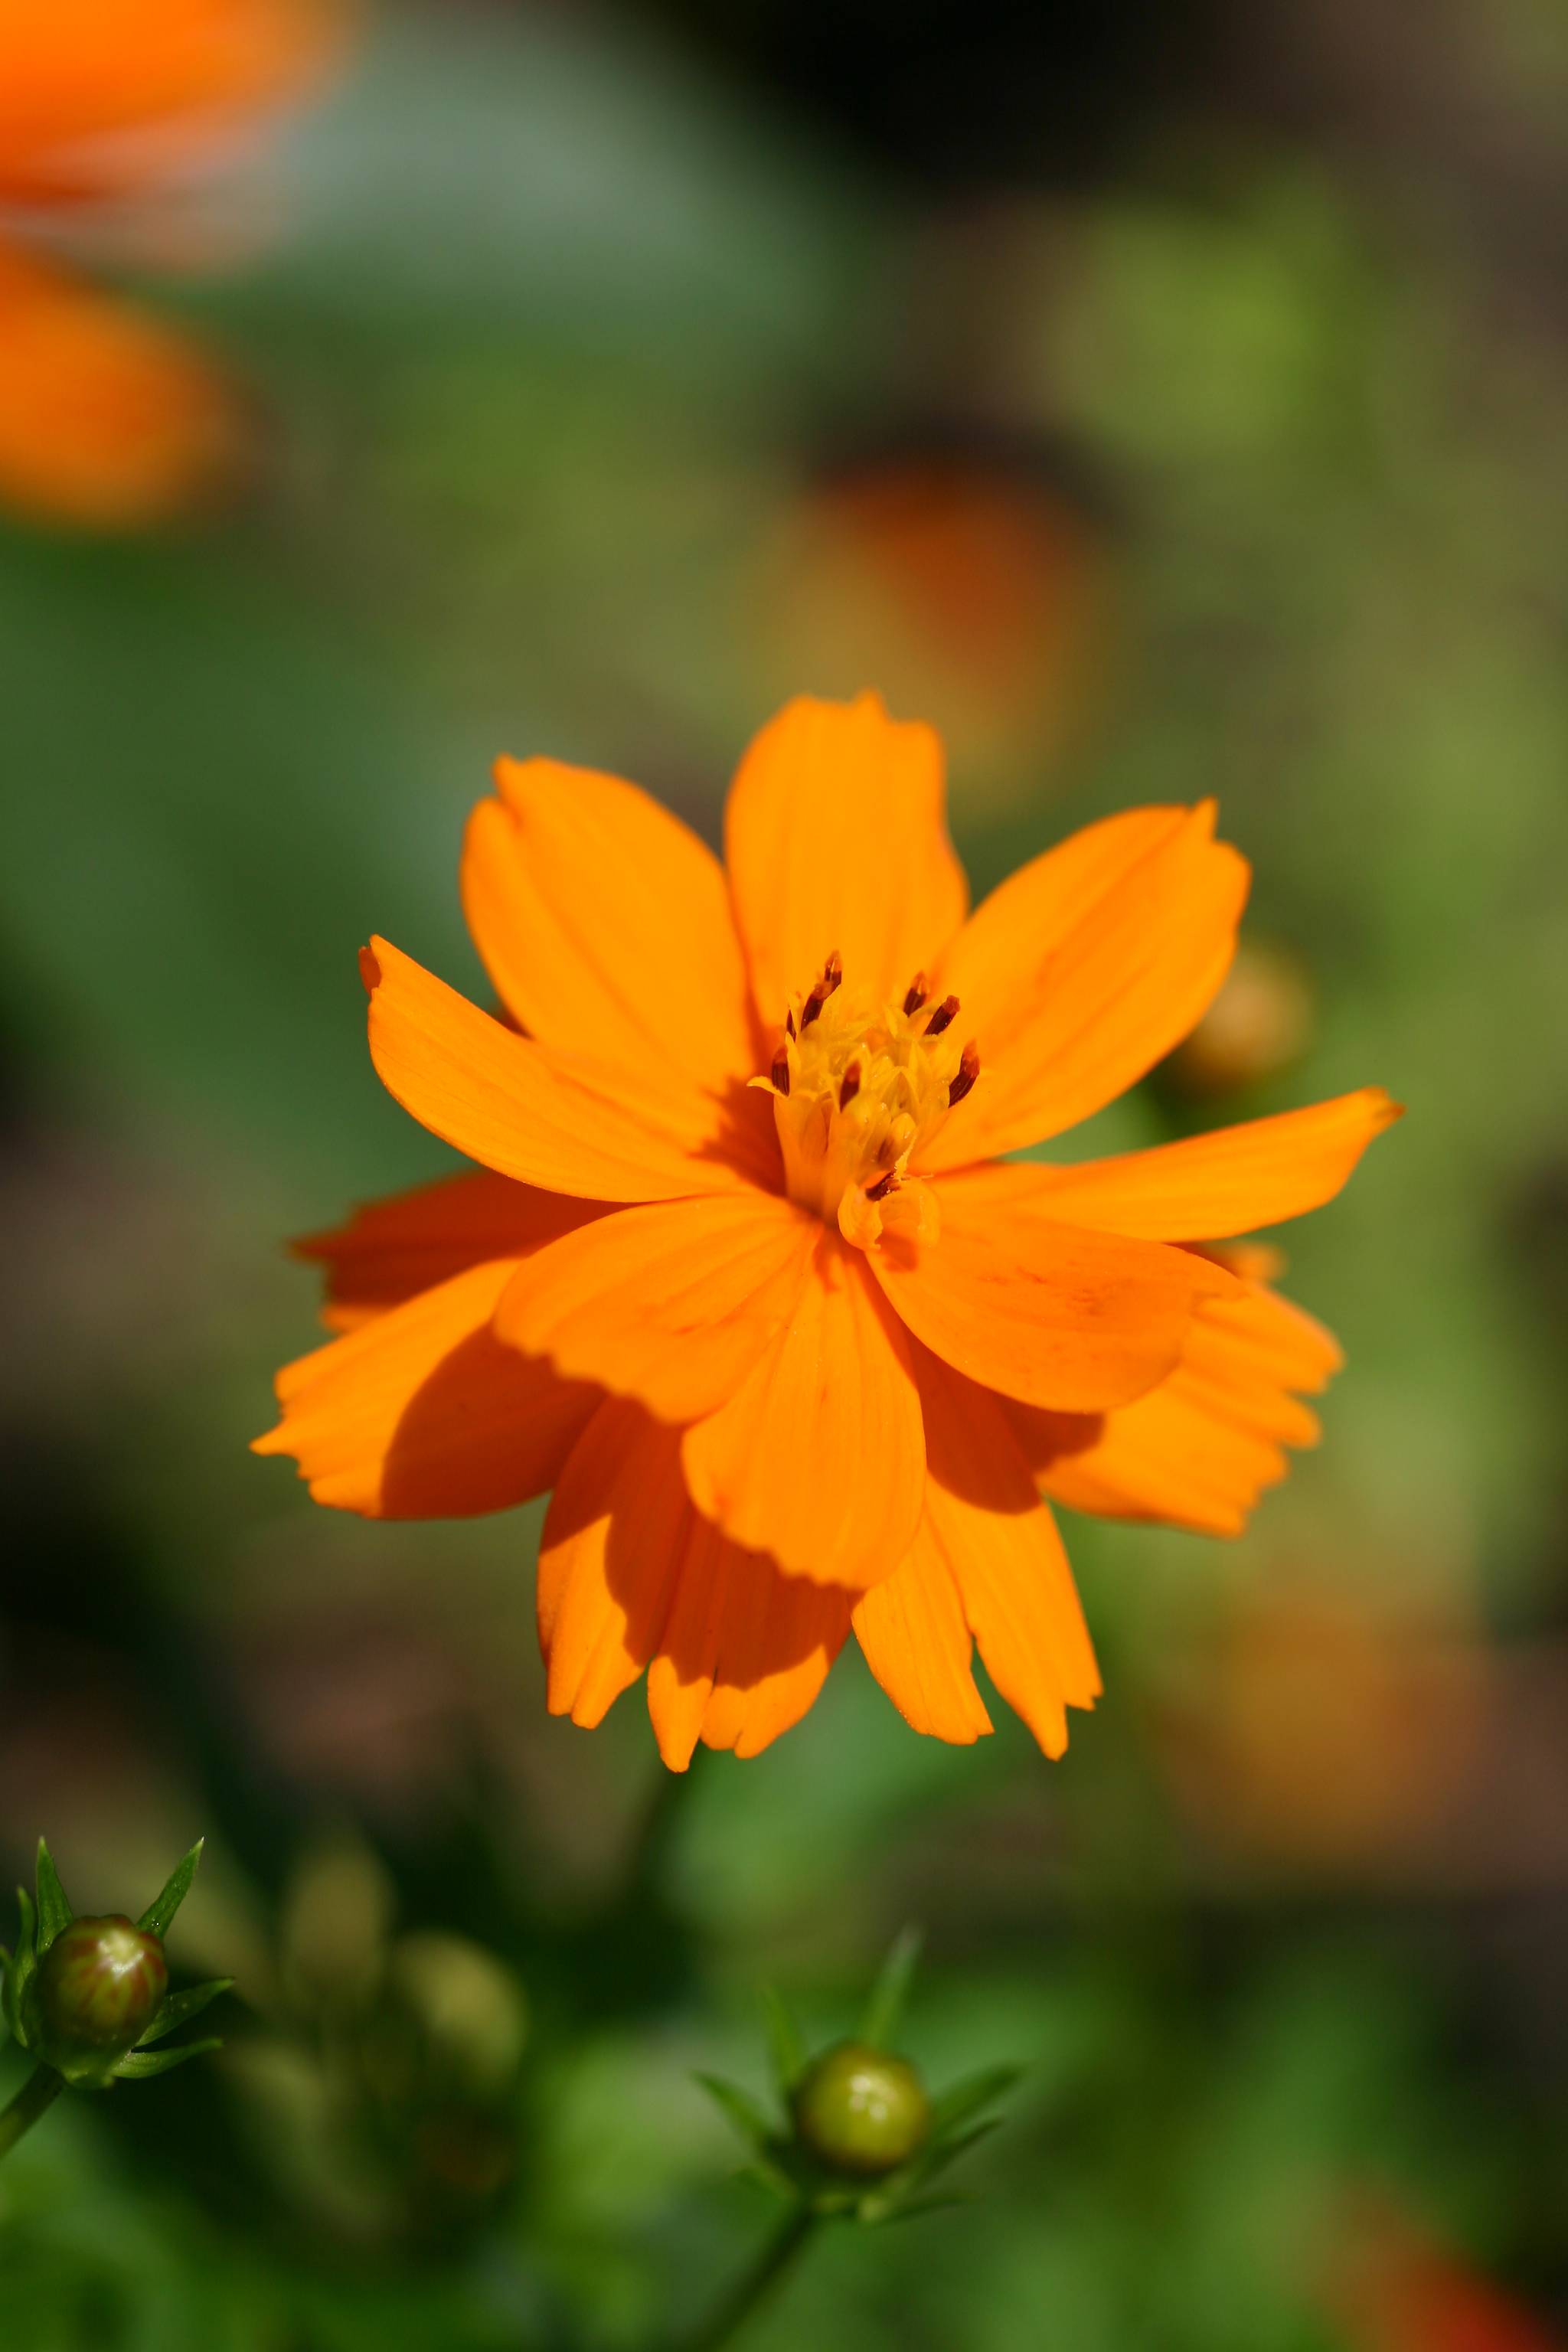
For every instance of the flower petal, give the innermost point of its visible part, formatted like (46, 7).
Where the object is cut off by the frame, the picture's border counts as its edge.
(613, 1539)
(672, 1304)
(424, 1414)
(553, 1119)
(1051, 1313)
(1001, 1545)
(108, 420)
(836, 838)
(79, 72)
(744, 1650)
(631, 1576)
(1212, 1185)
(911, 1629)
(818, 1459)
(606, 926)
(1083, 970)
(390, 1250)
(1200, 1449)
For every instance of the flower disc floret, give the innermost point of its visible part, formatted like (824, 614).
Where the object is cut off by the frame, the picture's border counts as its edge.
(860, 1086)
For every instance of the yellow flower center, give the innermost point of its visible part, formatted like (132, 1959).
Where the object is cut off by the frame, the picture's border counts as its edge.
(859, 1087)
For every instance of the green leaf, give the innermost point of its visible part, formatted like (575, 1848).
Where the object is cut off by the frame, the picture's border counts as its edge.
(181, 2007)
(54, 1912)
(773, 2178)
(755, 2128)
(785, 2049)
(941, 2154)
(19, 1975)
(888, 1994)
(137, 2064)
(970, 2093)
(156, 1919)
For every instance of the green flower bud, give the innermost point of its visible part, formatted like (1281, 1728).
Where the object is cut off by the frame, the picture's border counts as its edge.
(100, 1986)
(859, 2110)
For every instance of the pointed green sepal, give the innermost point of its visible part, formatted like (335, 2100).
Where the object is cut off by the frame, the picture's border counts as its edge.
(936, 2158)
(970, 2093)
(785, 2046)
(181, 2007)
(156, 1919)
(886, 2006)
(137, 2064)
(15, 1995)
(55, 1914)
(762, 2174)
(755, 2128)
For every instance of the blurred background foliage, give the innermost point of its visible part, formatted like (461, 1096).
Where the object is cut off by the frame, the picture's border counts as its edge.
(1162, 407)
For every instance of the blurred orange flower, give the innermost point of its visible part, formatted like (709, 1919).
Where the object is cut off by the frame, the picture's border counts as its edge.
(796, 1348)
(106, 418)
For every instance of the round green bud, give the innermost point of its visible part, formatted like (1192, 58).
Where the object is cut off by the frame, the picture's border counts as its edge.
(100, 1986)
(859, 2110)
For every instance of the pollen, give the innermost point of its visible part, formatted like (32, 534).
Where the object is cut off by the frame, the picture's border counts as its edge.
(860, 1084)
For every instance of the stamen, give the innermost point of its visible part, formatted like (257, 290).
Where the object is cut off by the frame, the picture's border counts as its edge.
(944, 1016)
(883, 1186)
(780, 1071)
(850, 1086)
(967, 1071)
(918, 990)
(789, 1024)
(821, 990)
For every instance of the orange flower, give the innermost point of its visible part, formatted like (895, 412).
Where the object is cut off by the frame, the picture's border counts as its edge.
(795, 1347)
(107, 419)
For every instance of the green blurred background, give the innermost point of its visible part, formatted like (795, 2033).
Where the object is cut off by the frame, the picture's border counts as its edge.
(1164, 402)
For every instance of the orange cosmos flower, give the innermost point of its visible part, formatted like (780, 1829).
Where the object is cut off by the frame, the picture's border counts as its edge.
(107, 419)
(745, 1279)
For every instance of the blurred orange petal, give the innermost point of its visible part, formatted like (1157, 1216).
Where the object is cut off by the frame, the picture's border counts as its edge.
(108, 420)
(78, 75)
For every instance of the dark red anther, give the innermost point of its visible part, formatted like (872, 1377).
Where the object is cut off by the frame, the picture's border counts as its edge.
(821, 990)
(967, 1071)
(789, 1024)
(849, 1086)
(780, 1071)
(883, 1186)
(944, 1016)
(915, 996)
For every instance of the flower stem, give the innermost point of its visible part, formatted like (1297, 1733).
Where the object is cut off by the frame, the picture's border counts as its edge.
(754, 2287)
(39, 2091)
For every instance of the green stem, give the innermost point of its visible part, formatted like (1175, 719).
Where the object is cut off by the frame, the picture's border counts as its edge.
(756, 2285)
(40, 2090)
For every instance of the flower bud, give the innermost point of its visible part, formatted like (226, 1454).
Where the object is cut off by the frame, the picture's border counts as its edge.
(859, 2110)
(100, 1986)
(1258, 1027)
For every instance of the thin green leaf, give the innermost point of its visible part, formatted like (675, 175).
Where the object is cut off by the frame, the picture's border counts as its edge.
(785, 2049)
(156, 1919)
(970, 2093)
(54, 1912)
(137, 2064)
(886, 2006)
(755, 2128)
(941, 2154)
(19, 1975)
(763, 2175)
(181, 2007)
